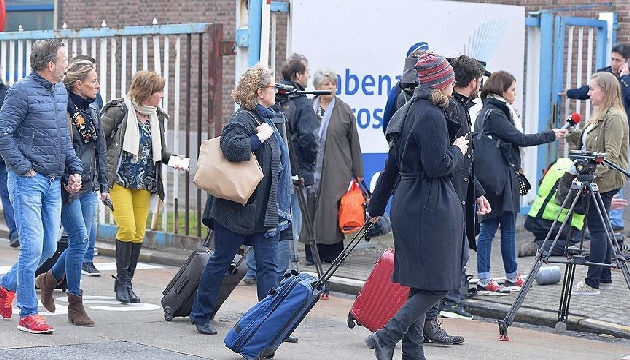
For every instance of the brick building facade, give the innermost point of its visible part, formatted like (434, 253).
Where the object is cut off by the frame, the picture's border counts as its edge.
(141, 12)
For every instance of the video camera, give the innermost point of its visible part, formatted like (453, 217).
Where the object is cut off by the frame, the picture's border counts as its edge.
(288, 90)
(586, 162)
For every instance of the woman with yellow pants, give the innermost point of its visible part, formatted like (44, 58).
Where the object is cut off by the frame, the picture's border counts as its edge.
(134, 129)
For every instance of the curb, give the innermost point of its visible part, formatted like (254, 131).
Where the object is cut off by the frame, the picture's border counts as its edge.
(476, 306)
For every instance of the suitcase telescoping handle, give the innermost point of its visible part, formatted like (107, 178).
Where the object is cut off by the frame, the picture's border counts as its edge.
(360, 235)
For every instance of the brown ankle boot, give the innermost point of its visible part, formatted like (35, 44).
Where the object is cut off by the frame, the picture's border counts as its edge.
(46, 283)
(76, 312)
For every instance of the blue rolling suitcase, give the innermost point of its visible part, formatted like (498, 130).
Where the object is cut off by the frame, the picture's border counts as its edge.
(265, 326)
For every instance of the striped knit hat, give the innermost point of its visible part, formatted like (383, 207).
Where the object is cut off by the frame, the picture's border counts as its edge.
(434, 71)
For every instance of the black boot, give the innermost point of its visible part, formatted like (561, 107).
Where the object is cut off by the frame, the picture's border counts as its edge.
(135, 255)
(123, 281)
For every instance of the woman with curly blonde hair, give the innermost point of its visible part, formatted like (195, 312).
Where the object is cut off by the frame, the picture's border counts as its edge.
(267, 212)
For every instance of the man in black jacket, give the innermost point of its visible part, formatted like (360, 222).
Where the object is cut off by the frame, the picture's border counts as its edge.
(468, 75)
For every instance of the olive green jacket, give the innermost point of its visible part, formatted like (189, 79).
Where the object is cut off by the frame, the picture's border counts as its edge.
(610, 135)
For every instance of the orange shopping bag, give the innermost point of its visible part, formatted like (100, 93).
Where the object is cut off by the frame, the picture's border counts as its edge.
(352, 209)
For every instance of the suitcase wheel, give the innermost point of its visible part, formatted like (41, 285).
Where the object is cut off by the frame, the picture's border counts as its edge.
(351, 321)
(168, 315)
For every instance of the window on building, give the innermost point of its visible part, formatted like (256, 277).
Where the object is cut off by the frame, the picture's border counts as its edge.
(31, 14)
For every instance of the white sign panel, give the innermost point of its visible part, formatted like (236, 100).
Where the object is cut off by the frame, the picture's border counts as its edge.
(365, 42)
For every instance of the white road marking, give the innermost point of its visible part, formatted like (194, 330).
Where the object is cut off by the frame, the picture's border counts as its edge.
(105, 266)
(106, 303)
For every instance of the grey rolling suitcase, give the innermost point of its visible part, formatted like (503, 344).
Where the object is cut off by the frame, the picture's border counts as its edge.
(180, 293)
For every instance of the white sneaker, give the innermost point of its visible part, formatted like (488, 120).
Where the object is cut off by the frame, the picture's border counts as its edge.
(584, 289)
(605, 286)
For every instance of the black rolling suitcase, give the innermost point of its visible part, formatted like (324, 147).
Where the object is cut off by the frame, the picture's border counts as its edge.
(180, 293)
(62, 245)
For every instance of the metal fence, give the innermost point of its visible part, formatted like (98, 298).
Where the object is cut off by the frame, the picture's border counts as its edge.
(188, 56)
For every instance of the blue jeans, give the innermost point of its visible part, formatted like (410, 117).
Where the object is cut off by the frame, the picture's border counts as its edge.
(508, 246)
(37, 203)
(77, 218)
(601, 251)
(7, 208)
(92, 230)
(226, 243)
(284, 259)
(284, 247)
(616, 216)
(296, 215)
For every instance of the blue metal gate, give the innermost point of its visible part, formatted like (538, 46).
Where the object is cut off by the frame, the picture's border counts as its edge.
(562, 53)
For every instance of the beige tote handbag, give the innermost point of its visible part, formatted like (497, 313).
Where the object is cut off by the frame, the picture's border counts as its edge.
(224, 179)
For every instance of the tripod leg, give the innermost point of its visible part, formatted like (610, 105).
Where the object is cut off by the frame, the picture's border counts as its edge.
(542, 256)
(565, 297)
(310, 232)
(509, 317)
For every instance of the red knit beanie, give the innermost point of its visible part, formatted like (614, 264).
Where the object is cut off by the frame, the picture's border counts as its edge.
(434, 71)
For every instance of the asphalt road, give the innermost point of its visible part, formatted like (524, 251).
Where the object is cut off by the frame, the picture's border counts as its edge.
(139, 331)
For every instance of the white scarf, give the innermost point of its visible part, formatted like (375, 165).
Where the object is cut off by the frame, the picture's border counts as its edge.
(516, 118)
(131, 140)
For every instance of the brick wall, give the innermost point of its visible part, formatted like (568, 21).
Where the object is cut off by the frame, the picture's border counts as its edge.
(121, 13)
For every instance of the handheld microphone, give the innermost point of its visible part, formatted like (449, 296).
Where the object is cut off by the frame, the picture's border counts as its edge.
(572, 120)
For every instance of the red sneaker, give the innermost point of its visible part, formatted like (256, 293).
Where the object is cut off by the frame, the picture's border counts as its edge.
(517, 281)
(35, 324)
(6, 300)
(491, 286)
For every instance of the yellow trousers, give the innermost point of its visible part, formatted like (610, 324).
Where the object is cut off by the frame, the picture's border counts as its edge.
(131, 209)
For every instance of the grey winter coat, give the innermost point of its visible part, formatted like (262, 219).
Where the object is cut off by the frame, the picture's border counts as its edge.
(427, 218)
(34, 129)
(342, 162)
(114, 122)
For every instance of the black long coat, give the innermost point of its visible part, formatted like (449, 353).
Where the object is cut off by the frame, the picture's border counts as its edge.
(501, 124)
(466, 184)
(426, 214)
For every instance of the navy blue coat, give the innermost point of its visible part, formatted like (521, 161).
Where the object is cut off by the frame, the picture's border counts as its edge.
(502, 126)
(427, 217)
(34, 129)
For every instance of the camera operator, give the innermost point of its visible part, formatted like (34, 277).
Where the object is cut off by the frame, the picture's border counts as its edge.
(303, 127)
(606, 132)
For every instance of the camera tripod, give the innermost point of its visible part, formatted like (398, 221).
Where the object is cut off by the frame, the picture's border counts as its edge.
(300, 190)
(586, 191)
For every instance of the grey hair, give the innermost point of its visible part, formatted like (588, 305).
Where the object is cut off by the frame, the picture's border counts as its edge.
(323, 74)
(43, 52)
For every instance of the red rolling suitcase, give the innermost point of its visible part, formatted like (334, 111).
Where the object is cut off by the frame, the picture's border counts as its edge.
(380, 298)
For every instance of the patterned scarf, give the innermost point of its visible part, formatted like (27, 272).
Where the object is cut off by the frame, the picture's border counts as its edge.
(81, 117)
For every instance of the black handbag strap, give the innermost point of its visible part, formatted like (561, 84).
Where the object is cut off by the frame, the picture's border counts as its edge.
(552, 192)
(484, 127)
